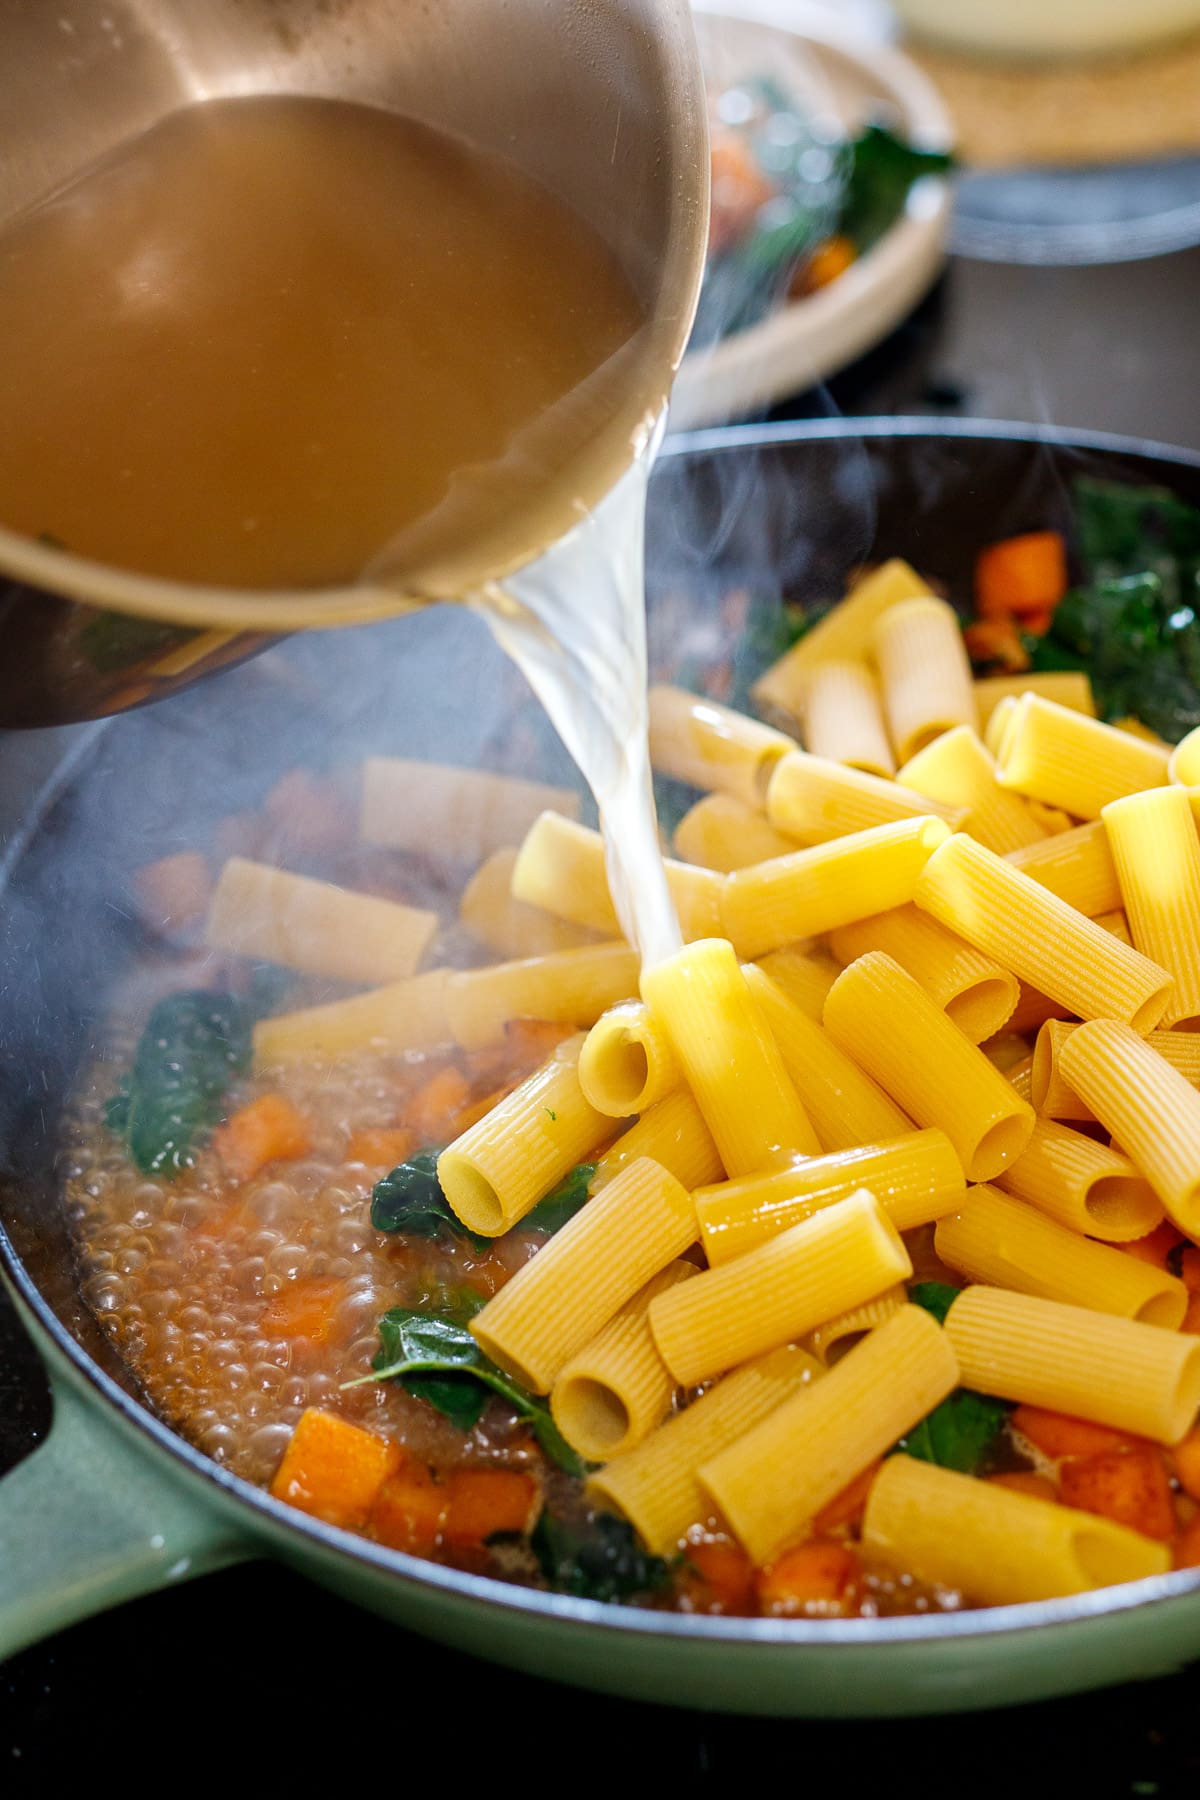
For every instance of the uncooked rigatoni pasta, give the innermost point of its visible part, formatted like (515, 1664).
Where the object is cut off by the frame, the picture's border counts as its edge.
(722, 833)
(815, 800)
(916, 1178)
(889, 1025)
(839, 1257)
(655, 1483)
(776, 903)
(1051, 753)
(1151, 1110)
(555, 1305)
(671, 1132)
(1077, 865)
(996, 1239)
(771, 1483)
(627, 1063)
(617, 1388)
(1152, 836)
(843, 717)
(843, 1104)
(1116, 1372)
(847, 630)
(1087, 1186)
(973, 990)
(959, 771)
(1006, 1547)
(702, 1001)
(502, 1165)
(697, 740)
(1047, 943)
(924, 673)
(315, 926)
(1067, 687)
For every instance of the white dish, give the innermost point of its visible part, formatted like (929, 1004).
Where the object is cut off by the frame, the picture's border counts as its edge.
(806, 340)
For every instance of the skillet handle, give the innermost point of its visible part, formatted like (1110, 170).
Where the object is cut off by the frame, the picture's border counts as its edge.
(87, 1521)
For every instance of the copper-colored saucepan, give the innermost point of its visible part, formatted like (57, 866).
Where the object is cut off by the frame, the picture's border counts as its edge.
(600, 100)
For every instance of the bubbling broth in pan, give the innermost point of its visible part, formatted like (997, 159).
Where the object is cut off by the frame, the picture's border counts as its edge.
(282, 342)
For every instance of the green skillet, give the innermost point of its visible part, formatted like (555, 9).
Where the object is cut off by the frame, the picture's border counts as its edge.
(113, 1503)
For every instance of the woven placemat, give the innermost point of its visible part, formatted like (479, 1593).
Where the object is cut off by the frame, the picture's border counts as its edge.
(1105, 110)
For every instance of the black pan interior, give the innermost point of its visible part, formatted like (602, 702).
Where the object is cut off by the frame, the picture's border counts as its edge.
(787, 516)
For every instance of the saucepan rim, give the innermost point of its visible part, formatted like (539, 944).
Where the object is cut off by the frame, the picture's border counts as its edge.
(486, 1593)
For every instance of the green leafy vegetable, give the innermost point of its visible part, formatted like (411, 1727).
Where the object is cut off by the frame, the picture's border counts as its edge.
(435, 1357)
(1140, 647)
(562, 1202)
(193, 1047)
(882, 171)
(410, 1199)
(861, 194)
(1134, 621)
(957, 1434)
(596, 1559)
(937, 1297)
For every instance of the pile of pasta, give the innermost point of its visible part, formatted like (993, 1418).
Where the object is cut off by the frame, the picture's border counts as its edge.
(941, 967)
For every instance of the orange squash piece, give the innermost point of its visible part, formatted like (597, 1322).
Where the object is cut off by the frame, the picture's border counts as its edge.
(531, 1041)
(1187, 1546)
(305, 1308)
(1130, 1487)
(1186, 1457)
(409, 1509)
(718, 1577)
(996, 641)
(479, 1109)
(819, 1578)
(1059, 1435)
(433, 1111)
(333, 1469)
(382, 1147)
(1021, 576)
(266, 1130)
(831, 258)
(482, 1502)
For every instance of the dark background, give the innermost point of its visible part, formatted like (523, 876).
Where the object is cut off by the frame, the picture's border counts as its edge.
(255, 1676)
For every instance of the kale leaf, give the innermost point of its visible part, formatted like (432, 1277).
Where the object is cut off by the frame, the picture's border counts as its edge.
(410, 1199)
(597, 1559)
(1134, 621)
(1139, 644)
(193, 1048)
(435, 1357)
(562, 1202)
(882, 171)
(956, 1434)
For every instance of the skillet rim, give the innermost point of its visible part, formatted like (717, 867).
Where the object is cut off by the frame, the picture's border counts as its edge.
(485, 1593)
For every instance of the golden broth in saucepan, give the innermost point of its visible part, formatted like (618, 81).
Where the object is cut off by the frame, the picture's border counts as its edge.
(277, 341)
